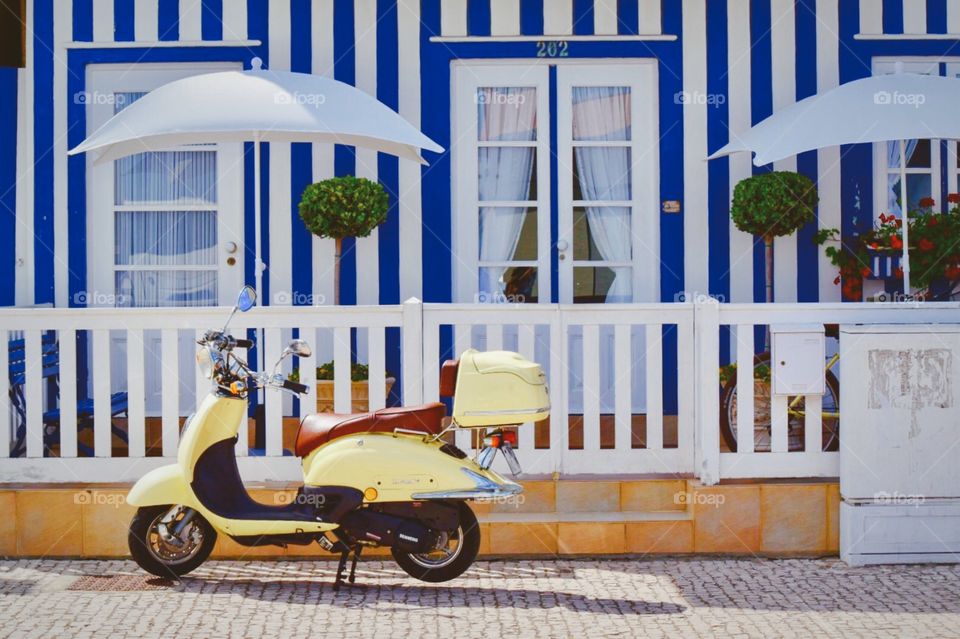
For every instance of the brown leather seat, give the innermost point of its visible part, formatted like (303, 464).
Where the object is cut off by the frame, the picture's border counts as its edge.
(316, 430)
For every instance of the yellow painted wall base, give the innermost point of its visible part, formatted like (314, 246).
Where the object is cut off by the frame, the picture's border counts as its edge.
(564, 517)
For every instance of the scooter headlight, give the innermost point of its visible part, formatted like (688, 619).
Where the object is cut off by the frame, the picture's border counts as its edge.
(208, 361)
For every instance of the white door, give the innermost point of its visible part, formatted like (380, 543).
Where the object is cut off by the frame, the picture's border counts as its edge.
(163, 228)
(607, 148)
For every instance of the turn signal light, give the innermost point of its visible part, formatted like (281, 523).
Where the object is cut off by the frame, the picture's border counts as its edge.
(370, 494)
(237, 387)
(497, 440)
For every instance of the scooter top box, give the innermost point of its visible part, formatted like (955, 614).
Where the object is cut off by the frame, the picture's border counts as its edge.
(497, 388)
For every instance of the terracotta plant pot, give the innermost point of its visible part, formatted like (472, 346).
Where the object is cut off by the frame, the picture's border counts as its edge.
(359, 395)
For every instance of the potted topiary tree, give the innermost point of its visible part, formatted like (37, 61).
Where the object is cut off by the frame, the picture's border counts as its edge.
(772, 205)
(340, 207)
(337, 208)
(769, 205)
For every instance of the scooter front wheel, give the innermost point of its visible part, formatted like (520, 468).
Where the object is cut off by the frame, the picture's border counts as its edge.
(454, 554)
(169, 541)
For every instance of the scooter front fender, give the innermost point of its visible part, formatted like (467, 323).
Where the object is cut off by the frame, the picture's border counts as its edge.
(162, 486)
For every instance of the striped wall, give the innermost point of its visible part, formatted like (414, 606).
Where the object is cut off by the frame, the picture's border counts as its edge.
(740, 60)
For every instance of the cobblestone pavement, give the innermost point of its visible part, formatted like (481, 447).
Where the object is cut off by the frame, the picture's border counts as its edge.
(651, 598)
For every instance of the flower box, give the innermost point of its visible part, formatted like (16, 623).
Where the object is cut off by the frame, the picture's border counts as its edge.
(359, 395)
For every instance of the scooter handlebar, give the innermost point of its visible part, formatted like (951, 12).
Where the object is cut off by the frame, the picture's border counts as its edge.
(295, 387)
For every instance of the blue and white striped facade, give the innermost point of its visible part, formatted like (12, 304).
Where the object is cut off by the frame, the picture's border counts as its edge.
(757, 55)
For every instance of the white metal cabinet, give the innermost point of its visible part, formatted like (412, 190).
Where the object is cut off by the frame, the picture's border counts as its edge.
(899, 480)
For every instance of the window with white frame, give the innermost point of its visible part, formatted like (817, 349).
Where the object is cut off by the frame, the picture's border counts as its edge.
(919, 162)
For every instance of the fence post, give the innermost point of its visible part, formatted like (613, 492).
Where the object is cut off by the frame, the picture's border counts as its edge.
(706, 324)
(412, 354)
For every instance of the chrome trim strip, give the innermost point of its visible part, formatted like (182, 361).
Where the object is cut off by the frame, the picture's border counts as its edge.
(504, 490)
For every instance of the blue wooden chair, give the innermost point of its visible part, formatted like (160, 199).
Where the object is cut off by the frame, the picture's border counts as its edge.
(51, 418)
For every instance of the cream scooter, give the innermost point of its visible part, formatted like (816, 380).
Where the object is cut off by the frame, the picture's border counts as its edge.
(385, 478)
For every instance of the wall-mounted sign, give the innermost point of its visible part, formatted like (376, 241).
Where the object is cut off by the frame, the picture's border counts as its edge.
(671, 206)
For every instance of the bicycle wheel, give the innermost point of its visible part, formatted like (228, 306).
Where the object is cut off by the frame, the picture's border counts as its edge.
(796, 414)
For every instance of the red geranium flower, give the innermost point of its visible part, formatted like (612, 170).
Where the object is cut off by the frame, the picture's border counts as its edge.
(898, 273)
(836, 280)
(925, 244)
(933, 220)
(896, 242)
(865, 272)
(874, 246)
(953, 198)
(926, 202)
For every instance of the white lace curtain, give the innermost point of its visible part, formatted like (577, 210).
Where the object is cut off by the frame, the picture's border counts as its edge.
(146, 235)
(504, 114)
(603, 113)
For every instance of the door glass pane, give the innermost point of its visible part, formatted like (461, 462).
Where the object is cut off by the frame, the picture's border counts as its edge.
(166, 288)
(601, 113)
(154, 238)
(507, 174)
(602, 173)
(602, 233)
(506, 113)
(508, 234)
(510, 284)
(183, 177)
(600, 284)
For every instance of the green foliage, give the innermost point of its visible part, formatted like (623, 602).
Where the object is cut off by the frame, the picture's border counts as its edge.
(773, 204)
(761, 373)
(344, 206)
(358, 372)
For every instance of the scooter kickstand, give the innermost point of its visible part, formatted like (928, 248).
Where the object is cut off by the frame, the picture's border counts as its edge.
(353, 566)
(341, 566)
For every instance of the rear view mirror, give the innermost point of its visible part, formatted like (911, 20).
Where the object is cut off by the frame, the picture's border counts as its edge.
(299, 347)
(247, 299)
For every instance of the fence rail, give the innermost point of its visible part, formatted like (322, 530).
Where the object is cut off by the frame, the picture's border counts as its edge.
(634, 388)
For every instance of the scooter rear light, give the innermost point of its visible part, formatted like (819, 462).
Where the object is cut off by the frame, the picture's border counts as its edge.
(510, 437)
(493, 441)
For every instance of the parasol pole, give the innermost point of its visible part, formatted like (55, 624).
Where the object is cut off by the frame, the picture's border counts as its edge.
(905, 221)
(258, 266)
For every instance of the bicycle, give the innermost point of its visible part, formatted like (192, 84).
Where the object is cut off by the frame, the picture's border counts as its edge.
(796, 413)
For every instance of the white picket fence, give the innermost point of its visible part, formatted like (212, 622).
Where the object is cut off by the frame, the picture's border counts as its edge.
(606, 363)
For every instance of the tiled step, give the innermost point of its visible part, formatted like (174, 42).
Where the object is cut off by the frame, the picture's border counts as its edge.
(555, 517)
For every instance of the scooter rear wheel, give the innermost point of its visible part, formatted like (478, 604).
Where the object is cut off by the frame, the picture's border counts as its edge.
(164, 557)
(449, 561)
